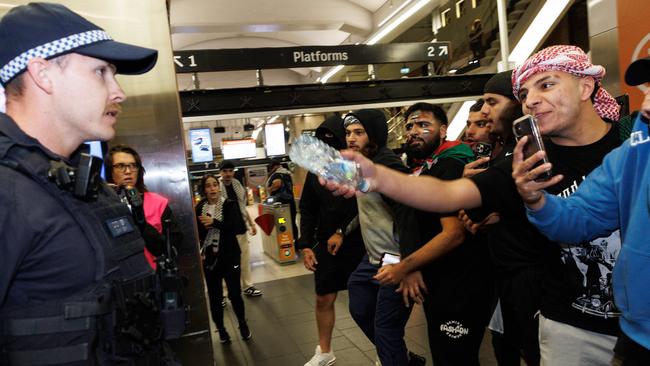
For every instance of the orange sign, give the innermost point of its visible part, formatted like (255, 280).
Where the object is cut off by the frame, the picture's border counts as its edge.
(285, 238)
(633, 41)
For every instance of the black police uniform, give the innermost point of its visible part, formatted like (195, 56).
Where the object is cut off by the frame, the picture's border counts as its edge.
(75, 288)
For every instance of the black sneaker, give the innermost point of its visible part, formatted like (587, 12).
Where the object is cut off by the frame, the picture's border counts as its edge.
(252, 292)
(416, 360)
(224, 337)
(244, 331)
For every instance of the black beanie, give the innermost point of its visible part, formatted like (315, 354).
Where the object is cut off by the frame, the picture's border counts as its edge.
(500, 83)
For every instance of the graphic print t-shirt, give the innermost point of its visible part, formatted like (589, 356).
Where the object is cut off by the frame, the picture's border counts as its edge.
(578, 286)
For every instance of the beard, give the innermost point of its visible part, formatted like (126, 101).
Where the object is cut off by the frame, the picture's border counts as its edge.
(423, 150)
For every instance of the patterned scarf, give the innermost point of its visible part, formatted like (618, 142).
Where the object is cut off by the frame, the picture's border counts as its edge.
(216, 212)
(574, 61)
(240, 191)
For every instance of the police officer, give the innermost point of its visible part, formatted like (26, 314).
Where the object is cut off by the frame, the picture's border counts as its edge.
(74, 287)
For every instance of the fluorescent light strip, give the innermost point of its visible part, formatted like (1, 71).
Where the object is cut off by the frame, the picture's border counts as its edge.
(538, 28)
(458, 123)
(379, 35)
(330, 73)
(531, 39)
(393, 13)
(383, 32)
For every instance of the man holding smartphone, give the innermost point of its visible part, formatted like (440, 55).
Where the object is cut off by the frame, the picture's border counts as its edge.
(614, 195)
(458, 279)
(560, 87)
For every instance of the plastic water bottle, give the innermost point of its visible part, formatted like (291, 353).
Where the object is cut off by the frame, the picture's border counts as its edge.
(326, 162)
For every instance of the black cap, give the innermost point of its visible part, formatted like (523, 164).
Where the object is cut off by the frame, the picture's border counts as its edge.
(50, 30)
(638, 72)
(226, 164)
(500, 83)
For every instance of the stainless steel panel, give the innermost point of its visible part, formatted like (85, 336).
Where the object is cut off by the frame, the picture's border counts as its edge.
(602, 16)
(151, 123)
(603, 52)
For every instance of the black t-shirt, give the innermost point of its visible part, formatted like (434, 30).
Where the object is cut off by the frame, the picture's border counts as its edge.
(465, 272)
(516, 244)
(232, 213)
(580, 276)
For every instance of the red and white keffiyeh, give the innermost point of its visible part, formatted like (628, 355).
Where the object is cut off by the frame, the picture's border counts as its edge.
(574, 61)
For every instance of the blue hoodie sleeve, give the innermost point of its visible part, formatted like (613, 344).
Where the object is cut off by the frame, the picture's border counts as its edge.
(592, 211)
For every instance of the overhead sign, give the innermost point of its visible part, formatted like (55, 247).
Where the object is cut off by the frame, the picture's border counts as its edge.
(307, 56)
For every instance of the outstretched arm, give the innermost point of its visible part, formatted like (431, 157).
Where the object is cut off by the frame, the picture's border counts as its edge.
(423, 192)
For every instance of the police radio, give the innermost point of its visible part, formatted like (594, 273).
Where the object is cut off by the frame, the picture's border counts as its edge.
(83, 182)
(173, 313)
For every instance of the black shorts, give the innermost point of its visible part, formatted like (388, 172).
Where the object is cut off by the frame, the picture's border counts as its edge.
(458, 308)
(333, 271)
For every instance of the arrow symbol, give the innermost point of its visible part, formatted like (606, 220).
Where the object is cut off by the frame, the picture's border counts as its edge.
(444, 50)
(177, 61)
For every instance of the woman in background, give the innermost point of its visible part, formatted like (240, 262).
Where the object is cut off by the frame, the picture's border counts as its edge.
(221, 256)
(124, 169)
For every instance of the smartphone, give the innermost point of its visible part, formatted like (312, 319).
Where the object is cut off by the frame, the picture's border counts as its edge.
(527, 126)
(389, 258)
(482, 150)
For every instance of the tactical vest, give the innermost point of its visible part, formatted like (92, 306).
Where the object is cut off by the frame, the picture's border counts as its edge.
(114, 320)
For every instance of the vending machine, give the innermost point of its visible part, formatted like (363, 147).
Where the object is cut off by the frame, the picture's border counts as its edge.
(277, 232)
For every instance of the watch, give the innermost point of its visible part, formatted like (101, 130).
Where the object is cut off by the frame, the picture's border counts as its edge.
(339, 231)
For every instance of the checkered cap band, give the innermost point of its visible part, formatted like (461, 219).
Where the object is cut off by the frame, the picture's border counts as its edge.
(57, 47)
(574, 61)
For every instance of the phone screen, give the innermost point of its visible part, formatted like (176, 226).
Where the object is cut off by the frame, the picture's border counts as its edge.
(482, 150)
(388, 258)
(527, 126)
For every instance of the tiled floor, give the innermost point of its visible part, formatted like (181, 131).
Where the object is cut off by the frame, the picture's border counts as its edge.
(284, 328)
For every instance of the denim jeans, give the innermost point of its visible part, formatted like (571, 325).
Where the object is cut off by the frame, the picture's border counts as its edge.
(380, 313)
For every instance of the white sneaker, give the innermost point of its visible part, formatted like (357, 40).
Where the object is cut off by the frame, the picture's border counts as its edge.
(321, 359)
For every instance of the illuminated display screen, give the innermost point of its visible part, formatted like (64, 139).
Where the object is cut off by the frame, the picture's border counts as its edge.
(201, 142)
(238, 149)
(274, 139)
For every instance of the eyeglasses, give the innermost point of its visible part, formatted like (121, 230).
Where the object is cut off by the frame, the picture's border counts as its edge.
(122, 167)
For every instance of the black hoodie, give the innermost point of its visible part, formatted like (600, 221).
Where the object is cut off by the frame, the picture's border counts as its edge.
(320, 212)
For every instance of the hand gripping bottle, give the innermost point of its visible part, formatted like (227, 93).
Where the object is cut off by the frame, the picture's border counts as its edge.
(326, 162)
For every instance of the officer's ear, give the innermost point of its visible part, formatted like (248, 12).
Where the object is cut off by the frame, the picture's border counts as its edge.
(37, 71)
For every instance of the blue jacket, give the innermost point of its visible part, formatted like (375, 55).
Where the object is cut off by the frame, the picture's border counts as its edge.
(615, 195)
